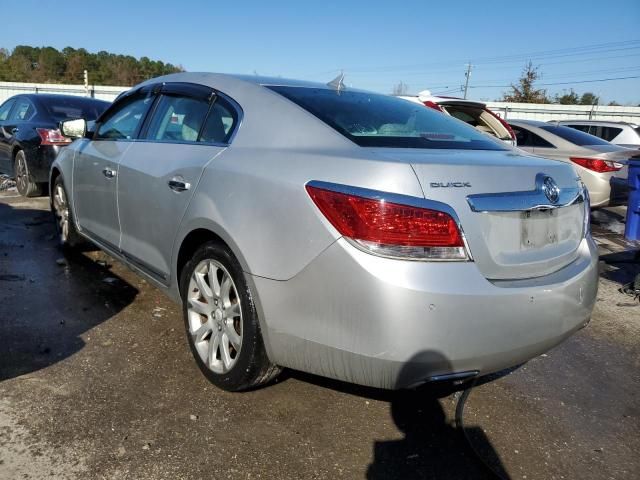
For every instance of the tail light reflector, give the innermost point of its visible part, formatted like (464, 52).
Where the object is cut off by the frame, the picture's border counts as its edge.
(391, 229)
(597, 164)
(52, 137)
(433, 105)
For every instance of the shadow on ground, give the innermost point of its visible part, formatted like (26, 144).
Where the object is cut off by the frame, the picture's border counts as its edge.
(432, 447)
(48, 300)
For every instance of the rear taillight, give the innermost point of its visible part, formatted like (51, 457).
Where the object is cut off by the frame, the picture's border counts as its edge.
(597, 164)
(52, 137)
(433, 105)
(391, 229)
(504, 124)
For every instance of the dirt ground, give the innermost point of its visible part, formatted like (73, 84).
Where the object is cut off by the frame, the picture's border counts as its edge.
(97, 382)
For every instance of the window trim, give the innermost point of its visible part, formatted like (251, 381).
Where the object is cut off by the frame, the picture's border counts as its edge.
(192, 90)
(125, 99)
(532, 136)
(13, 102)
(20, 98)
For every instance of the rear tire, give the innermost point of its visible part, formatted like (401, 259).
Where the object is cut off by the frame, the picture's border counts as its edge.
(221, 321)
(68, 236)
(25, 184)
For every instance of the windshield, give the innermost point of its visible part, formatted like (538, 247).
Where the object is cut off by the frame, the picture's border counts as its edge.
(69, 108)
(574, 136)
(375, 120)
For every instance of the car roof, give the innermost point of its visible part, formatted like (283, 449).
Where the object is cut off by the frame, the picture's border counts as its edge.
(533, 123)
(219, 80)
(56, 96)
(593, 122)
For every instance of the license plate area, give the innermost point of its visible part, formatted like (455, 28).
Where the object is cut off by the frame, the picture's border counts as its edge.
(539, 228)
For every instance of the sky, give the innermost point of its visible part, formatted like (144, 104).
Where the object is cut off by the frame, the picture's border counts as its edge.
(378, 44)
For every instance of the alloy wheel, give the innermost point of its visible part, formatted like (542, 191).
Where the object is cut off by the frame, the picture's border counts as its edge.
(21, 173)
(214, 316)
(61, 209)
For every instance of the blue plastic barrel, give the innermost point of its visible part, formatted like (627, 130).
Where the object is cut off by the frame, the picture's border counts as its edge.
(632, 228)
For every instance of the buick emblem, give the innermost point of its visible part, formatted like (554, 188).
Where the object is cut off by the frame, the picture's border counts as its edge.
(551, 189)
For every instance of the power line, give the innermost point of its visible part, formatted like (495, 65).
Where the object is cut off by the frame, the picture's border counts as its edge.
(583, 50)
(575, 82)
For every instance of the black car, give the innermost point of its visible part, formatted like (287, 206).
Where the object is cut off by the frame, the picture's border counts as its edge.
(30, 138)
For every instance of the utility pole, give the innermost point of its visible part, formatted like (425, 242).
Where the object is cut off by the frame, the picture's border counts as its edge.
(86, 83)
(466, 83)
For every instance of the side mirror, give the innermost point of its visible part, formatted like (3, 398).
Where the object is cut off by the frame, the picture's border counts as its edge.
(74, 128)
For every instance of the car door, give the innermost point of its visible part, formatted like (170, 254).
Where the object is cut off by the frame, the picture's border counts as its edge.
(5, 136)
(189, 127)
(95, 167)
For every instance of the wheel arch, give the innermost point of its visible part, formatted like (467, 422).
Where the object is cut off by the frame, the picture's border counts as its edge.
(199, 232)
(197, 235)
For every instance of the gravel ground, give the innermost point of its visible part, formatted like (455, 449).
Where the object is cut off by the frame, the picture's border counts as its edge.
(97, 382)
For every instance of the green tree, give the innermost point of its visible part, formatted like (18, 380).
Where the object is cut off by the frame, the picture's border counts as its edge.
(589, 98)
(570, 98)
(524, 91)
(46, 64)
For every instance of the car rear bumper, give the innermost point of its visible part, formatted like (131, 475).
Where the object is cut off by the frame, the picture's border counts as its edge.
(39, 160)
(394, 324)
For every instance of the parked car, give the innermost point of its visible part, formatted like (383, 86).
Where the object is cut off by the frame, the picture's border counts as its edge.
(30, 138)
(619, 133)
(474, 113)
(600, 164)
(340, 232)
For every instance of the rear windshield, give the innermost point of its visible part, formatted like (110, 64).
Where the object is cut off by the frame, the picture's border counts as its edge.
(68, 108)
(375, 120)
(574, 136)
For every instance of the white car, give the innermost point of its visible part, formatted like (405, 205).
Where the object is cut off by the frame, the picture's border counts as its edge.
(619, 133)
(474, 113)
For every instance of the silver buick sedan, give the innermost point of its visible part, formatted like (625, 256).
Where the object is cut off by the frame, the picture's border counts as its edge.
(335, 231)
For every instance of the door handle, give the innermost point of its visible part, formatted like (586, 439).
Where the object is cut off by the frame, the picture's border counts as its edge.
(177, 184)
(14, 130)
(109, 173)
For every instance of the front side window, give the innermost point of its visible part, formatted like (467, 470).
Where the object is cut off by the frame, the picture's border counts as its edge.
(23, 110)
(177, 119)
(5, 109)
(376, 120)
(123, 122)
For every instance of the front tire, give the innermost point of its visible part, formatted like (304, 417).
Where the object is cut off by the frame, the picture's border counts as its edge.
(221, 321)
(68, 236)
(25, 184)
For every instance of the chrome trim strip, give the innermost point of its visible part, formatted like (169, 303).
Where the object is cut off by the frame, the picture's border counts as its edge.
(525, 200)
(454, 376)
(402, 200)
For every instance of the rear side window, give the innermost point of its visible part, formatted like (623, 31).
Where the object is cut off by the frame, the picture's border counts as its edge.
(609, 133)
(375, 120)
(177, 119)
(582, 128)
(23, 111)
(220, 124)
(574, 136)
(70, 108)
(525, 138)
(5, 109)
(123, 122)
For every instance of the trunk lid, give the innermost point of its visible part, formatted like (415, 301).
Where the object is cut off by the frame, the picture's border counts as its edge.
(494, 194)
